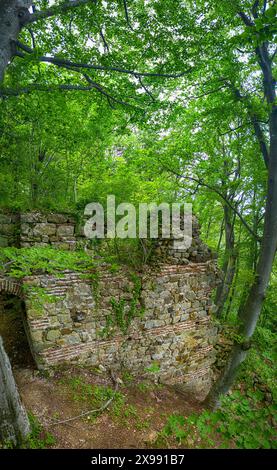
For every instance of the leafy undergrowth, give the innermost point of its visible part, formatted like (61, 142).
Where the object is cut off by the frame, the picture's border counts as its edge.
(145, 414)
(21, 262)
(241, 422)
(133, 419)
(247, 417)
(38, 438)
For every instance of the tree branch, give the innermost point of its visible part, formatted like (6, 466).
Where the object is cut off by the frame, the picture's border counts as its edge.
(247, 21)
(6, 92)
(146, 89)
(56, 10)
(32, 37)
(261, 139)
(82, 65)
(273, 55)
(255, 8)
(106, 46)
(127, 14)
(24, 47)
(105, 93)
(255, 122)
(200, 182)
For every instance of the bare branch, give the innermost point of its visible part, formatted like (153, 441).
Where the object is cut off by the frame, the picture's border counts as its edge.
(81, 65)
(104, 92)
(273, 55)
(146, 89)
(32, 37)
(247, 21)
(200, 182)
(24, 47)
(56, 10)
(127, 14)
(6, 92)
(86, 413)
(106, 46)
(195, 97)
(255, 8)
(234, 129)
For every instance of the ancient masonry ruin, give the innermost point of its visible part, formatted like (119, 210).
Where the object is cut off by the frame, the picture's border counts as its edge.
(171, 335)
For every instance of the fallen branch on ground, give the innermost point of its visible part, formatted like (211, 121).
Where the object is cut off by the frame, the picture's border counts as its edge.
(86, 413)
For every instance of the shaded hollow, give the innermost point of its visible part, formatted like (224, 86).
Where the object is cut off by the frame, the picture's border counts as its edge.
(12, 331)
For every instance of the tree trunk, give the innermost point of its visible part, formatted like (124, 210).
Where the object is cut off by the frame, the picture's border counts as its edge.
(14, 423)
(13, 14)
(252, 308)
(229, 264)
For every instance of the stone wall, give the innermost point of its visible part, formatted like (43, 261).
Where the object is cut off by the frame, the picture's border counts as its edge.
(172, 331)
(165, 249)
(58, 230)
(40, 229)
(81, 318)
(9, 229)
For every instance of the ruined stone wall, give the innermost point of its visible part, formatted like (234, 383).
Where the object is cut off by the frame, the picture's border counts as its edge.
(58, 230)
(9, 229)
(40, 229)
(73, 317)
(173, 331)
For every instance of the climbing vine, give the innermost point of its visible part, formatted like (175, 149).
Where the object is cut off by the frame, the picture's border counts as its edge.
(124, 311)
(38, 297)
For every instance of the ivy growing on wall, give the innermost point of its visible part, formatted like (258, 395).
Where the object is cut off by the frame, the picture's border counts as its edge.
(124, 311)
(38, 297)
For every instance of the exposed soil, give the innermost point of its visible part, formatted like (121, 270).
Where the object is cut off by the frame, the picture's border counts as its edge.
(49, 399)
(133, 422)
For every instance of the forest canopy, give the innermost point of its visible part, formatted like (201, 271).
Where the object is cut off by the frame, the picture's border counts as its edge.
(159, 101)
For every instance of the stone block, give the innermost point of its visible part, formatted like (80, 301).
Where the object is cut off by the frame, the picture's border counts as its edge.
(65, 231)
(57, 218)
(52, 335)
(44, 229)
(32, 217)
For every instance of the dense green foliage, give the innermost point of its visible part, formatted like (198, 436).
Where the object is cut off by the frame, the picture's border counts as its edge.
(248, 416)
(153, 102)
(24, 262)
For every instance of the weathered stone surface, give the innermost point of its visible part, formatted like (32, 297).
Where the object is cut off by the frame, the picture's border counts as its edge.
(52, 335)
(45, 228)
(65, 230)
(175, 330)
(57, 218)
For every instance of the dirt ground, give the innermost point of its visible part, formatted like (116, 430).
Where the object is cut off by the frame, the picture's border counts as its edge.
(132, 420)
(135, 424)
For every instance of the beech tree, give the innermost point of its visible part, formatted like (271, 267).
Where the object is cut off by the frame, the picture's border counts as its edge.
(74, 36)
(154, 56)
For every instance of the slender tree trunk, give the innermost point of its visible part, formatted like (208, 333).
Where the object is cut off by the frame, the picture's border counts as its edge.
(249, 314)
(252, 308)
(229, 261)
(13, 13)
(220, 236)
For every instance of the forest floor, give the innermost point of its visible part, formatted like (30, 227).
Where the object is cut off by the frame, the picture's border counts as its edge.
(134, 418)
